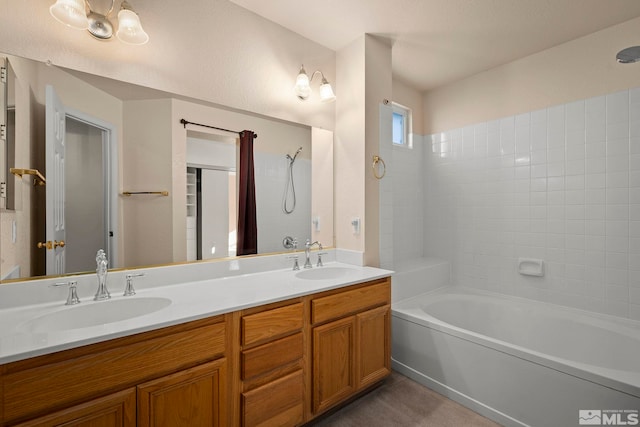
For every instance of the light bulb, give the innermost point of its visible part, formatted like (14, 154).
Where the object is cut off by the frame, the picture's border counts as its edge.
(71, 13)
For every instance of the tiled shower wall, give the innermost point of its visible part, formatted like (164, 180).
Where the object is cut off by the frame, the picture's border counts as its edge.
(271, 171)
(401, 198)
(561, 184)
(408, 200)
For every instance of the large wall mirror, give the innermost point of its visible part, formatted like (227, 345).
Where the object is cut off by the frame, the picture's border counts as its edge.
(122, 173)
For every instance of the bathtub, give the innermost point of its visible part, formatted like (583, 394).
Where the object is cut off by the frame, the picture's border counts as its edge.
(516, 361)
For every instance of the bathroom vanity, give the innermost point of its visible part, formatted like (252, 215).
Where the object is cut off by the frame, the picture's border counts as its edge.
(308, 347)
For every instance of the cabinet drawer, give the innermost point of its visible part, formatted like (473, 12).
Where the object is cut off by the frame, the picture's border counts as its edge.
(279, 402)
(270, 324)
(260, 360)
(350, 301)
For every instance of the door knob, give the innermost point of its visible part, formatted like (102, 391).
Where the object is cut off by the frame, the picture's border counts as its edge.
(51, 245)
(47, 245)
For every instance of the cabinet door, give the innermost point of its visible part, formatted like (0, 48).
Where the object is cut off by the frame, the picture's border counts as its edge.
(372, 345)
(114, 410)
(194, 397)
(333, 363)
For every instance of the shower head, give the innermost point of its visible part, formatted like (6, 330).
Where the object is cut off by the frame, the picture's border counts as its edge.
(629, 55)
(295, 155)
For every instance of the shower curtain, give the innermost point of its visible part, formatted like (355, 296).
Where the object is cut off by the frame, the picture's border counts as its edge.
(247, 226)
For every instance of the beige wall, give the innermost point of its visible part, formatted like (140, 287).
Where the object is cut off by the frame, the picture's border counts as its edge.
(579, 69)
(378, 82)
(146, 166)
(211, 49)
(322, 185)
(364, 71)
(349, 150)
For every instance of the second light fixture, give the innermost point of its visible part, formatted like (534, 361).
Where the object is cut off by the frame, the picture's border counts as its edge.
(303, 86)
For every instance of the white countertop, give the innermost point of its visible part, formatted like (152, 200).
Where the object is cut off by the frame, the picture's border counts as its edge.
(189, 301)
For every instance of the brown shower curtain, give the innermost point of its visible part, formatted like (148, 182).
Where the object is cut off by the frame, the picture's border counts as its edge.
(247, 228)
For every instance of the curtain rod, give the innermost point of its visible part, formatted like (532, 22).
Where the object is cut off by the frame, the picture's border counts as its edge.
(186, 122)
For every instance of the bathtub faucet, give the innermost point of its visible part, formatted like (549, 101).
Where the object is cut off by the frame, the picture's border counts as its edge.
(307, 252)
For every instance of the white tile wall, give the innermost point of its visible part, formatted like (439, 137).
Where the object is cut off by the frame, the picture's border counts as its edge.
(407, 168)
(386, 189)
(561, 184)
(273, 224)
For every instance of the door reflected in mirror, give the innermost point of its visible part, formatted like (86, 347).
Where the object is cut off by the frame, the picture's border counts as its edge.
(79, 157)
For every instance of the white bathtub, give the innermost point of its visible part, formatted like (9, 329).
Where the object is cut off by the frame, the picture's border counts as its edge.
(517, 361)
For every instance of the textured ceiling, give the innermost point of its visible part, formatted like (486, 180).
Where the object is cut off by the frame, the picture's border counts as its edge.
(436, 42)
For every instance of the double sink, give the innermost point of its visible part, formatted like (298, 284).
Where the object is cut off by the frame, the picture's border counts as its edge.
(92, 313)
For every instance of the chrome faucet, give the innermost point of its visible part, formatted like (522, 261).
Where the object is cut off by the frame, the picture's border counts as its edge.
(296, 267)
(128, 289)
(307, 252)
(101, 271)
(72, 298)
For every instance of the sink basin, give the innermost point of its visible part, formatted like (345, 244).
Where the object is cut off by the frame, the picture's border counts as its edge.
(94, 314)
(323, 273)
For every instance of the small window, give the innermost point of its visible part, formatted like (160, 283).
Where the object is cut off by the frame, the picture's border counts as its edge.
(401, 126)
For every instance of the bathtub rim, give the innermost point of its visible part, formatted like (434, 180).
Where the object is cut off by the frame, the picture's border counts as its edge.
(605, 377)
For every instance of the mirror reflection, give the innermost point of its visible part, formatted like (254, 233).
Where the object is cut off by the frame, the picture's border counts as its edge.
(95, 140)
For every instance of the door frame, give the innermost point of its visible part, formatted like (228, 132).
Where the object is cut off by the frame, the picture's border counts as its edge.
(110, 180)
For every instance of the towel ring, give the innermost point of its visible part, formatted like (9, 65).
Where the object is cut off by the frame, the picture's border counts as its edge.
(376, 160)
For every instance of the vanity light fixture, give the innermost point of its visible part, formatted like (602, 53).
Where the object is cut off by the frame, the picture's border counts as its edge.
(73, 13)
(303, 86)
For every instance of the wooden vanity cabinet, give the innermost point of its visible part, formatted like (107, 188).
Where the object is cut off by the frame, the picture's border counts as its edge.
(279, 364)
(136, 380)
(351, 348)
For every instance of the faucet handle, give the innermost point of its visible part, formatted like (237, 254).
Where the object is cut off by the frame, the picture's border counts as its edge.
(72, 298)
(290, 243)
(296, 266)
(128, 289)
(319, 264)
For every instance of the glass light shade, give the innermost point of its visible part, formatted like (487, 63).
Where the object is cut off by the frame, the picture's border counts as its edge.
(71, 13)
(129, 28)
(326, 92)
(302, 87)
